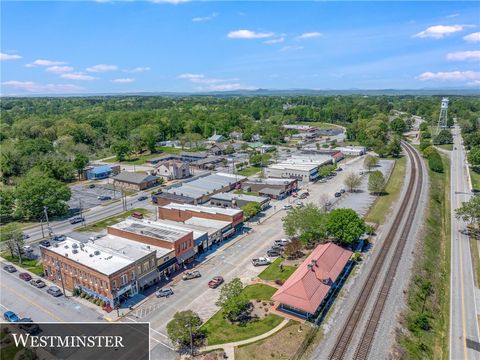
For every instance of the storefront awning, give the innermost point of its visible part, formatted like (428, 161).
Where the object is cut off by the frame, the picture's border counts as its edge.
(151, 276)
(186, 255)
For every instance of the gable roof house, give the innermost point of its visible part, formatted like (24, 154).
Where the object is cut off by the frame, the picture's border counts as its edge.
(172, 169)
(135, 181)
(305, 291)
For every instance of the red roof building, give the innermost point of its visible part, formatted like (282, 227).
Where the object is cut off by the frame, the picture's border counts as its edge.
(308, 286)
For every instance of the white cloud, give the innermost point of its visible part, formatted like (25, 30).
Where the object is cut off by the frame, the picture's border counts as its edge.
(33, 87)
(173, 2)
(439, 31)
(464, 55)
(473, 37)
(138, 69)
(191, 77)
(43, 62)
(205, 18)
(474, 83)
(5, 57)
(309, 35)
(59, 69)
(214, 84)
(123, 80)
(78, 76)
(248, 34)
(291, 48)
(452, 16)
(450, 76)
(275, 41)
(102, 68)
(229, 87)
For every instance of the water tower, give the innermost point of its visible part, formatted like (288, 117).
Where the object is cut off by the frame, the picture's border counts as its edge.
(442, 119)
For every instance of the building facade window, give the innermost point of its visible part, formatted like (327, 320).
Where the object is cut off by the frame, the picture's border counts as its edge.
(124, 279)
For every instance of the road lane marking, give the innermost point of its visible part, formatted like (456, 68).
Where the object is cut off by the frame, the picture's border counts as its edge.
(159, 333)
(35, 304)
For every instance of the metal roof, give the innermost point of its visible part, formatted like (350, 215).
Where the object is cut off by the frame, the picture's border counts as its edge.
(134, 178)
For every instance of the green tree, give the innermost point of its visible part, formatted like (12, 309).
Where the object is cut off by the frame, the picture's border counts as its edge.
(376, 182)
(230, 290)
(184, 330)
(443, 137)
(345, 225)
(435, 162)
(37, 190)
(7, 204)
(428, 151)
(370, 162)
(352, 181)
(470, 210)
(423, 126)
(251, 209)
(79, 163)
(122, 149)
(326, 170)
(474, 156)
(394, 146)
(307, 223)
(149, 136)
(12, 236)
(398, 126)
(234, 307)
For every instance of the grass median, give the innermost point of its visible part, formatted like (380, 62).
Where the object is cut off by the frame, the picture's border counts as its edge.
(34, 266)
(274, 272)
(381, 207)
(426, 318)
(220, 330)
(249, 171)
(103, 224)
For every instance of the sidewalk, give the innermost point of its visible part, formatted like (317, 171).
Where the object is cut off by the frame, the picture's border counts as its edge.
(229, 348)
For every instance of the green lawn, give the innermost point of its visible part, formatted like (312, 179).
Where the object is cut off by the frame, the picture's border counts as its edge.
(446, 146)
(428, 297)
(220, 330)
(22, 225)
(249, 171)
(102, 224)
(135, 159)
(475, 177)
(273, 272)
(321, 125)
(380, 209)
(34, 266)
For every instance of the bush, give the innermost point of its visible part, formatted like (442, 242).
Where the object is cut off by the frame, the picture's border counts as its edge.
(424, 144)
(82, 295)
(428, 151)
(435, 162)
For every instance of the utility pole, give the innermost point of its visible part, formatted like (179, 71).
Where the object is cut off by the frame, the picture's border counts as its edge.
(41, 225)
(81, 212)
(59, 271)
(191, 337)
(50, 232)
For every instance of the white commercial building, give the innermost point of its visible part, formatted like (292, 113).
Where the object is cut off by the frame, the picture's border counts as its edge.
(304, 168)
(352, 150)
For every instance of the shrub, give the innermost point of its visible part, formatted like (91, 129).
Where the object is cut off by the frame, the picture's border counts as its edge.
(435, 162)
(82, 295)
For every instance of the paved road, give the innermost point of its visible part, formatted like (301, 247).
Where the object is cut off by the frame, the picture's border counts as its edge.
(28, 301)
(94, 215)
(464, 333)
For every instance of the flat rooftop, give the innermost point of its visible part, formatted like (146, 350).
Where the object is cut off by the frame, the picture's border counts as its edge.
(197, 233)
(272, 181)
(130, 248)
(152, 229)
(244, 197)
(102, 259)
(204, 209)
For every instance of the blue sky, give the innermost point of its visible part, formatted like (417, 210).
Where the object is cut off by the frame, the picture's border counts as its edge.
(97, 47)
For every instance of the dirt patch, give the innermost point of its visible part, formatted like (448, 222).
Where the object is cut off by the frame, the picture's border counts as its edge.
(213, 355)
(261, 309)
(280, 346)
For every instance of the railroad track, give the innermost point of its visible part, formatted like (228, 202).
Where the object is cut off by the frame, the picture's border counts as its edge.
(342, 345)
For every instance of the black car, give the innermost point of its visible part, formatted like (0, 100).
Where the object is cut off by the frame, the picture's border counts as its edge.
(25, 236)
(76, 220)
(342, 191)
(272, 252)
(10, 268)
(142, 198)
(59, 238)
(45, 243)
(104, 197)
(29, 326)
(337, 194)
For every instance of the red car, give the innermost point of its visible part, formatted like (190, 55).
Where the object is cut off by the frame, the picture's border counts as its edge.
(25, 276)
(215, 282)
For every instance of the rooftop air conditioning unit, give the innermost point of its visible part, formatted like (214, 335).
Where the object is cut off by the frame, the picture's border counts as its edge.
(91, 255)
(97, 252)
(75, 246)
(74, 251)
(66, 254)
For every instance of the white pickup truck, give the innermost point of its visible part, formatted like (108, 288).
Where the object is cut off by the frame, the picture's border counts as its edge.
(261, 261)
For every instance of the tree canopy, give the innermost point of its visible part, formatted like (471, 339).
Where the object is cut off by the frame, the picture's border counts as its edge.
(376, 182)
(307, 223)
(178, 329)
(345, 226)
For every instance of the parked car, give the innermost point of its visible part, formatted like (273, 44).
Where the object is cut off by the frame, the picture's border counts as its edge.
(342, 191)
(76, 220)
(261, 261)
(287, 207)
(25, 236)
(91, 186)
(215, 282)
(322, 180)
(191, 275)
(29, 326)
(165, 292)
(299, 204)
(303, 196)
(339, 169)
(273, 252)
(54, 291)
(10, 268)
(10, 316)
(142, 198)
(45, 243)
(25, 276)
(104, 197)
(281, 242)
(337, 194)
(27, 248)
(59, 238)
(38, 283)
(137, 215)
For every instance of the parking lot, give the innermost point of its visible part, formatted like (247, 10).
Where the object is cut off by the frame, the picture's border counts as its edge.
(87, 197)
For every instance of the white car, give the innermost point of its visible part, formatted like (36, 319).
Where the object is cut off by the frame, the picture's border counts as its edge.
(281, 242)
(27, 248)
(287, 207)
(261, 261)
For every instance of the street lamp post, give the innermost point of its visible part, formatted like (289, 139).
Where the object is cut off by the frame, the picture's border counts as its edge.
(191, 337)
(59, 271)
